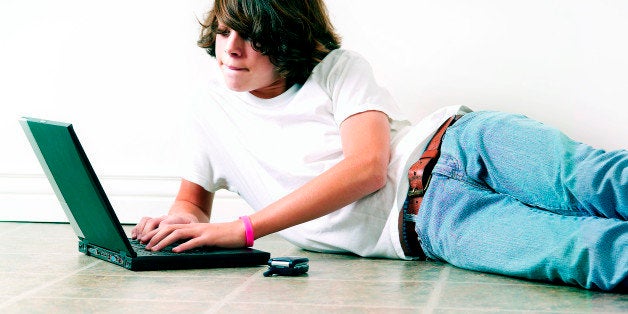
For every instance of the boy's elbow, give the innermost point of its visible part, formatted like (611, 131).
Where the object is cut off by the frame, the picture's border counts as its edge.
(377, 174)
(379, 181)
(368, 172)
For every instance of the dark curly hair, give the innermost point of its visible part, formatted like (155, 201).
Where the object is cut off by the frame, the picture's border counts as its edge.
(295, 34)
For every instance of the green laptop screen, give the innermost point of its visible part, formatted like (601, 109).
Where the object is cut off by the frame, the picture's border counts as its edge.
(75, 183)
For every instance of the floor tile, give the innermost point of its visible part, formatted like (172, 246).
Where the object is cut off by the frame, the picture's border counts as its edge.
(45, 230)
(528, 297)
(40, 245)
(15, 284)
(45, 263)
(274, 308)
(98, 305)
(163, 289)
(329, 266)
(286, 290)
(10, 227)
(463, 275)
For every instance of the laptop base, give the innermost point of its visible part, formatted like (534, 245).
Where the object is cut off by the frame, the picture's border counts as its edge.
(217, 258)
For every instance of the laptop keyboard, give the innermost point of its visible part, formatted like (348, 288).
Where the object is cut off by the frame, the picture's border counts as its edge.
(141, 249)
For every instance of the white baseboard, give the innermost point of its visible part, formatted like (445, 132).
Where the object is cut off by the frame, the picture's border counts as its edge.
(29, 197)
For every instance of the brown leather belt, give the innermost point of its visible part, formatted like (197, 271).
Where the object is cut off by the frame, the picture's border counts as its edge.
(419, 176)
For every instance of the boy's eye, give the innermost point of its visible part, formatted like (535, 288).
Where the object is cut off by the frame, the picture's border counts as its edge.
(225, 32)
(222, 32)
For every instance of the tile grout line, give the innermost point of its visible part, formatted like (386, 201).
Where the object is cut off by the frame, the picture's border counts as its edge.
(236, 291)
(434, 298)
(123, 299)
(232, 295)
(356, 306)
(23, 295)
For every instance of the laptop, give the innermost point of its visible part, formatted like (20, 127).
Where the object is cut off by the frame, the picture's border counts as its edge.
(92, 217)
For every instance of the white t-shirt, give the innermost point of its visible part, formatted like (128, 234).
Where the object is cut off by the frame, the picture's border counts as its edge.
(263, 149)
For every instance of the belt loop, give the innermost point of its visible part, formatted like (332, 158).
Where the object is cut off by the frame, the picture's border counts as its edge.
(419, 176)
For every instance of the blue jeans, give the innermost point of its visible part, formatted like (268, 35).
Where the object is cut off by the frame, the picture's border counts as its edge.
(512, 196)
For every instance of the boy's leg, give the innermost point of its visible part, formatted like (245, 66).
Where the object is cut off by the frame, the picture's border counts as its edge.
(475, 228)
(538, 165)
(513, 196)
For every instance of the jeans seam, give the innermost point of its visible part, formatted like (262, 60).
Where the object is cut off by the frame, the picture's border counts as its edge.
(450, 167)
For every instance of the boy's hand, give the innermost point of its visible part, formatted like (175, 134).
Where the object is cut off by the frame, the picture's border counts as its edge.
(142, 230)
(226, 235)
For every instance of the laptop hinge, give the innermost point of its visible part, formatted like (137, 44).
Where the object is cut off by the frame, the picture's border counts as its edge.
(119, 258)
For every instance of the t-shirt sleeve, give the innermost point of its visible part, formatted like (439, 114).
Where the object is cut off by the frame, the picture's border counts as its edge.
(195, 160)
(353, 89)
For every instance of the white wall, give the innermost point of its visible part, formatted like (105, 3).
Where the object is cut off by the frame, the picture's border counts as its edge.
(122, 70)
(562, 62)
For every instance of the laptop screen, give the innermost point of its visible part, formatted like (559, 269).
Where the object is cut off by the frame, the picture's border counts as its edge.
(75, 183)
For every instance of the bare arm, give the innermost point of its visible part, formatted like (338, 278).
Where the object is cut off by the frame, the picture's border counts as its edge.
(193, 200)
(366, 148)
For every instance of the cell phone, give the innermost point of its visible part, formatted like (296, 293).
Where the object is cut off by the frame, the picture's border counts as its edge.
(287, 266)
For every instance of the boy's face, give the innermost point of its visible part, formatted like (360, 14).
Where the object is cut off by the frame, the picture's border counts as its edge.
(245, 69)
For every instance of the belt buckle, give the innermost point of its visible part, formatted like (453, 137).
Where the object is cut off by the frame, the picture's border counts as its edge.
(414, 192)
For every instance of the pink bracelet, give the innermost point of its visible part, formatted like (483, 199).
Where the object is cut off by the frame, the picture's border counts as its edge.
(248, 230)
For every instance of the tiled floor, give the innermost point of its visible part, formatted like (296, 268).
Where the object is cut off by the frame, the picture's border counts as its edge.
(41, 271)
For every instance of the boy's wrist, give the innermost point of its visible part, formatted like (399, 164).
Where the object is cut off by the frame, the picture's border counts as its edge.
(249, 236)
(187, 211)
